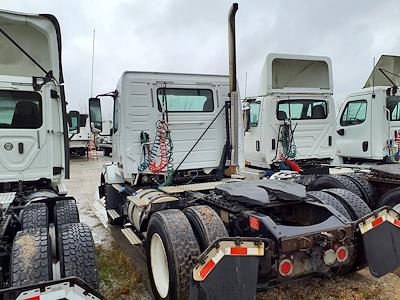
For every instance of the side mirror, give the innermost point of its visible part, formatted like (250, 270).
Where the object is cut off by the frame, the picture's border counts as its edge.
(95, 116)
(74, 122)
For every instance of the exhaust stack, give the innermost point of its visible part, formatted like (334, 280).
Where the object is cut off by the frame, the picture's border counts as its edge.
(233, 93)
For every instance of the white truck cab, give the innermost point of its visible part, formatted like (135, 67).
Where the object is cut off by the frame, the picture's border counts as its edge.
(79, 140)
(32, 105)
(294, 114)
(368, 122)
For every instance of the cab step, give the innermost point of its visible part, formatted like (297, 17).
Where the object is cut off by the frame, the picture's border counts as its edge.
(131, 236)
(113, 214)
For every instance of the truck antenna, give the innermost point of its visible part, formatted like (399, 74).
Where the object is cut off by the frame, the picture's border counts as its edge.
(91, 83)
(245, 88)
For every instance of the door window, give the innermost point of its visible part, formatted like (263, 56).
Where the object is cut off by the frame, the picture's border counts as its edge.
(186, 100)
(393, 104)
(254, 113)
(302, 109)
(354, 113)
(20, 110)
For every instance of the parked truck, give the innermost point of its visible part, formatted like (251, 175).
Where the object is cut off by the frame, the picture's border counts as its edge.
(173, 187)
(104, 139)
(80, 138)
(45, 252)
(294, 117)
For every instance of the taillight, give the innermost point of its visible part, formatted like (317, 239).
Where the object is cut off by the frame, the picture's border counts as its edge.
(342, 253)
(285, 267)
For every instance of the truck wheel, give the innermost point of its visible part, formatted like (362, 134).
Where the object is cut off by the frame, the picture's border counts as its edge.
(172, 250)
(35, 215)
(356, 207)
(367, 190)
(77, 253)
(334, 181)
(31, 257)
(206, 224)
(327, 199)
(65, 212)
(390, 198)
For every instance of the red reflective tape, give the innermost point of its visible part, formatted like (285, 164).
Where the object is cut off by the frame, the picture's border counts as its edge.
(33, 298)
(254, 223)
(207, 268)
(396, 222)
(377, 222)
(238, 251)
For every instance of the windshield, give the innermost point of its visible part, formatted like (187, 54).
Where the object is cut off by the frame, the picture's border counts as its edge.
(302, 109)
(20, 110)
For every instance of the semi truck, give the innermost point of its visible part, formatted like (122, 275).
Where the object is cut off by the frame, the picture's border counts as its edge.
(173, 187)
(104, 139)
(45, 252)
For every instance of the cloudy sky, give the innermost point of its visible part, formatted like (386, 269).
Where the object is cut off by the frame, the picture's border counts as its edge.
(191, 36)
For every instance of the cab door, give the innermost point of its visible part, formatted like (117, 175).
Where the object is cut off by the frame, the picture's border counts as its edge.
(354, 128)
(252, 137)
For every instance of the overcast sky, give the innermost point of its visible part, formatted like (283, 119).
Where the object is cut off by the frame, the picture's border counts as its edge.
(191, 36)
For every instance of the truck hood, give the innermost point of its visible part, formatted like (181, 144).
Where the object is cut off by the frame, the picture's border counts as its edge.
(388, 64)
(39, 36)
(287, 73)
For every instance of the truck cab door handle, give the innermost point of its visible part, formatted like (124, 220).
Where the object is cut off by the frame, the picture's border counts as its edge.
(21, 148)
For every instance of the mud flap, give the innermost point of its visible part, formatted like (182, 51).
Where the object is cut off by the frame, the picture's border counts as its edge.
(232, 278)
(228, 270)
(381, 237)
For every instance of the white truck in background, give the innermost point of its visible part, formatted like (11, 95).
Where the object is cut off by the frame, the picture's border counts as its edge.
(79, 139)
(293, 118)
(45, 252)
(368, 123)
(104, 139)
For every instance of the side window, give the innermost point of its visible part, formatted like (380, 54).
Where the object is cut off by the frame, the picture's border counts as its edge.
(354, 113)
(20, 110)
(186, 100)
(254, 113)
(393, 104)
(116, 115)
(83, 120)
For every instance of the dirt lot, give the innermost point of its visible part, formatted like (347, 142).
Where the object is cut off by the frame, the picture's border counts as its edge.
(123, 271)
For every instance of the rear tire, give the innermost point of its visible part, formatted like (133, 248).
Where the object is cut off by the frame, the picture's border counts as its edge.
(78, 253)
(206, 224)
(368, 191)
(390, 198)
(334, 181)
(35, 215)
(65, 212)
(356, 207)
(172, 250)
(31, 257)
(328, 199)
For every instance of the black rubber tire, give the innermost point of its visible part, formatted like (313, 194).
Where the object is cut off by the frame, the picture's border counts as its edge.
(334, 181)
(31, 257)
(35, 215)
(368, 191)
(356, 206)
(390, 198)
(327, 199)
(65, 212)
(206, 224)
(181, 249)
(78, 253)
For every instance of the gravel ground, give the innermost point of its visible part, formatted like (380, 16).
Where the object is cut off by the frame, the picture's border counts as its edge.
(123, 271)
